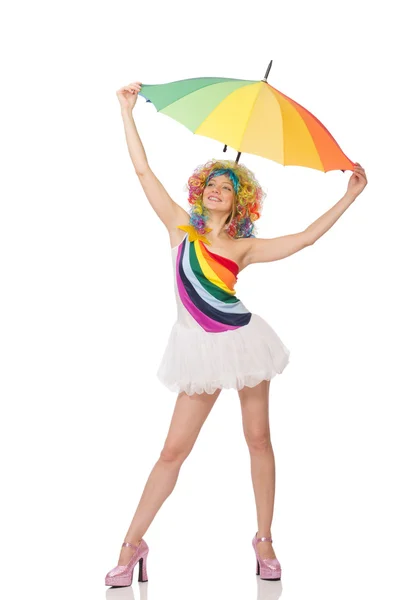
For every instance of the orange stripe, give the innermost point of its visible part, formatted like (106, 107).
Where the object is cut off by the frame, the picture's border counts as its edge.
(329, 151)
(223, 273)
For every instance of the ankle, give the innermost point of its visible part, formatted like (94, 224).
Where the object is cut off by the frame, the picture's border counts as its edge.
(133, 541)
(267, 535)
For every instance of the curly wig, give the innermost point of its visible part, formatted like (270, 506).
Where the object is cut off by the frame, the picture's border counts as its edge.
(248, 200)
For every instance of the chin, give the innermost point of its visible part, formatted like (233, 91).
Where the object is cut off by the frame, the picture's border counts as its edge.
(220, 206)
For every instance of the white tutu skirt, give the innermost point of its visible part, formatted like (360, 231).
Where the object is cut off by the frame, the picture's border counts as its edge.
(196, 361)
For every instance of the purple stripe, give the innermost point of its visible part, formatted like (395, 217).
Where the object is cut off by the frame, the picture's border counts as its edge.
(205, 322)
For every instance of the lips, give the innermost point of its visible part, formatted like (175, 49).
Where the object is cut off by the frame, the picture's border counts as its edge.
(213, 199)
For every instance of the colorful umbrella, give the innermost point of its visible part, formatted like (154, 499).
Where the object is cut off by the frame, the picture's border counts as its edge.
(250, 116)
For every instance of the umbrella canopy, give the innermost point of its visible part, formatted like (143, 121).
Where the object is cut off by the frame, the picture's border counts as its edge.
(252, 117)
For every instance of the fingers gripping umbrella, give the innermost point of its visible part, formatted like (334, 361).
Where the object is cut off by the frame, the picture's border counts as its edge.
(250, 116)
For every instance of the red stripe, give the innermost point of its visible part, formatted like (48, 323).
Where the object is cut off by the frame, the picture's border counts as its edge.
(226, 262)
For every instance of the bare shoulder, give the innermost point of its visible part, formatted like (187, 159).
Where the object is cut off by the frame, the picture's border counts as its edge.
(236, 250)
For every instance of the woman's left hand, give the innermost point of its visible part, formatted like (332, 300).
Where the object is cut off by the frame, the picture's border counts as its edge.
(357, 181)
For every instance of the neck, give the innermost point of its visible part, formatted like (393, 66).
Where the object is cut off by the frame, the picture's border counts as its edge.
(217, 225)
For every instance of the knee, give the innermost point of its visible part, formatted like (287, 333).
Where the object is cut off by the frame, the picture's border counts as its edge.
(258, 442)
(173, 454)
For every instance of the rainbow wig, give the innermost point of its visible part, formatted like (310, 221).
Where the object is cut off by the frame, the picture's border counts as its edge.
(248, 200)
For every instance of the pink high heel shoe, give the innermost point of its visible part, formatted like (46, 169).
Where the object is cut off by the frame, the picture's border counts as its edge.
(266, 568)
(121, 576)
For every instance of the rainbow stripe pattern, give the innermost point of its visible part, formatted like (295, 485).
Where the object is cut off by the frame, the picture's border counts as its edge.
(251, 116)
(205, 283)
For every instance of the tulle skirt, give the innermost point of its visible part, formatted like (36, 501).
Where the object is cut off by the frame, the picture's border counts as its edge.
(196, 361)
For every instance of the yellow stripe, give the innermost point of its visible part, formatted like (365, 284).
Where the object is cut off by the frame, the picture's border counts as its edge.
(273, 129)
(208, 272)
(223, 123)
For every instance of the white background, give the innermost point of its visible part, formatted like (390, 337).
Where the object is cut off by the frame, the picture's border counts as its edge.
(87, 302)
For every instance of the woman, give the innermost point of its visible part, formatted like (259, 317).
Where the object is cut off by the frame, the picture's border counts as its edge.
(216, 342)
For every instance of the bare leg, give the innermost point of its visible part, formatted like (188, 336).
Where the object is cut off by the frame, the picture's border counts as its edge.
(255, 417)
(190, 413)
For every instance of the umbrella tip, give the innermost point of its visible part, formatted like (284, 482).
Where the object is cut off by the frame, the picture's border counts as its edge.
(268, 71)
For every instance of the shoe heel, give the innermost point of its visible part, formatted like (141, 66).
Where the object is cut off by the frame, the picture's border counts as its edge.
(143, 569)
(257, 567)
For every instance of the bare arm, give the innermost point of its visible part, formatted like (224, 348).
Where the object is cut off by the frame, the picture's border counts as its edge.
(170, 213)
(325, 222)
(265, 250)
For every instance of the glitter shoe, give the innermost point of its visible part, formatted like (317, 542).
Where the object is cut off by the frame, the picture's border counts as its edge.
(121, 576)
(266, 568)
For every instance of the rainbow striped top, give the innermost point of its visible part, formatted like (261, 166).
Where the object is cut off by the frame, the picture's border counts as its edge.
(205, 284)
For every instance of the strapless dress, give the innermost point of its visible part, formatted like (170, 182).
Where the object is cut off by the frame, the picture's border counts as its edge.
(216, 342)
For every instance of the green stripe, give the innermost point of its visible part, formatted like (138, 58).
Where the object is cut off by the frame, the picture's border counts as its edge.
(194, 108)
(213, 289)
(162, 94)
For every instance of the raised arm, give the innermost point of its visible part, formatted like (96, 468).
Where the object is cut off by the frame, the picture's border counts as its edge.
(170, 213)
(265, 250)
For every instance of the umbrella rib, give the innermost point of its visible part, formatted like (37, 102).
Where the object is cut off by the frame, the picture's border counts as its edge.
(248, 118)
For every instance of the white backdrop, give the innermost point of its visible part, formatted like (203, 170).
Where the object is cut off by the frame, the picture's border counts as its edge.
(87, 303)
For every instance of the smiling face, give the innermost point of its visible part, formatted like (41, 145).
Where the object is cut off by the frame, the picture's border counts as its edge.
(219, 194)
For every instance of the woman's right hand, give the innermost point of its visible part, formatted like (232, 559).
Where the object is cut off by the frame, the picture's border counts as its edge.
(128, 95)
